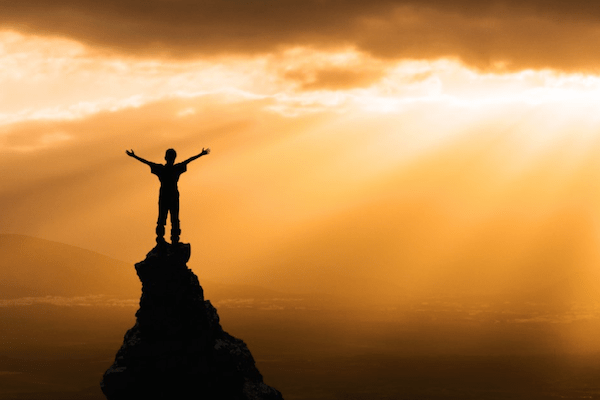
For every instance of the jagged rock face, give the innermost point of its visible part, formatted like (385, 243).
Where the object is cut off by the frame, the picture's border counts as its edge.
(177, 348)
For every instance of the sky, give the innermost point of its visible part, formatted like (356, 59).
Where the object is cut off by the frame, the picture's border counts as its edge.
(362, 148)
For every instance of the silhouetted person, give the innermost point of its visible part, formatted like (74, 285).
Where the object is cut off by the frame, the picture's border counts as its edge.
(168, 199)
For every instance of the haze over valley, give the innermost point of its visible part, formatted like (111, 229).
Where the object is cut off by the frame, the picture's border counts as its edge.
(57, 340)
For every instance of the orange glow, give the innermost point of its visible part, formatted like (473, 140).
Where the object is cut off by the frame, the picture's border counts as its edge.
(332, 171)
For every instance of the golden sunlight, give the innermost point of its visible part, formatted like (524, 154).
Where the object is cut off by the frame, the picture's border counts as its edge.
(393, 183)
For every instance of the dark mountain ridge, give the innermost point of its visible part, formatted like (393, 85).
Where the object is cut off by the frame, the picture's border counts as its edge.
(37, 267)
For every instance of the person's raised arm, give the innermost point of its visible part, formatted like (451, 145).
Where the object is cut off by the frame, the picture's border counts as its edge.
(204, 152)
(130, 153)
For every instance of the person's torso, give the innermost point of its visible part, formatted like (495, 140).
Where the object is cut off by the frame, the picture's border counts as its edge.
(168, 176)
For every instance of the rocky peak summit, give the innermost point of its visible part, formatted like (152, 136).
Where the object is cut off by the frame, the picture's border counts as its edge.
(177, 348)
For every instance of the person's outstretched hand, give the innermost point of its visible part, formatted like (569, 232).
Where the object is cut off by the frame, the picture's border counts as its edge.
(205, 151)
(130, 153)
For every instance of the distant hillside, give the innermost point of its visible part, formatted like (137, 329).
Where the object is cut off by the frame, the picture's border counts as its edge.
(32, 267)
(37, 267)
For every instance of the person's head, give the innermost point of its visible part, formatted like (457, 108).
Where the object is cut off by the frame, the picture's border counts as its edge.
(170, 156)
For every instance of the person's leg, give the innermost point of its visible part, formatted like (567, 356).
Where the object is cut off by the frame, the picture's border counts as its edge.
(175, 229)
(162, 219)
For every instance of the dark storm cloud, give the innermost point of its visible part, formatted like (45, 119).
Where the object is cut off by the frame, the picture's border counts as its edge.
(516, 34)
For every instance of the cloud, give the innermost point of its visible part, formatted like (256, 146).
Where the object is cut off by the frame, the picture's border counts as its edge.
(334, 78)
(457, 182)
(487, 35)
(58, 79)
(340, 70)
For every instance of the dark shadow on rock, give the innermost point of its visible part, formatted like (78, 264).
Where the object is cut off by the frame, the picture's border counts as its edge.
(177, 349)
